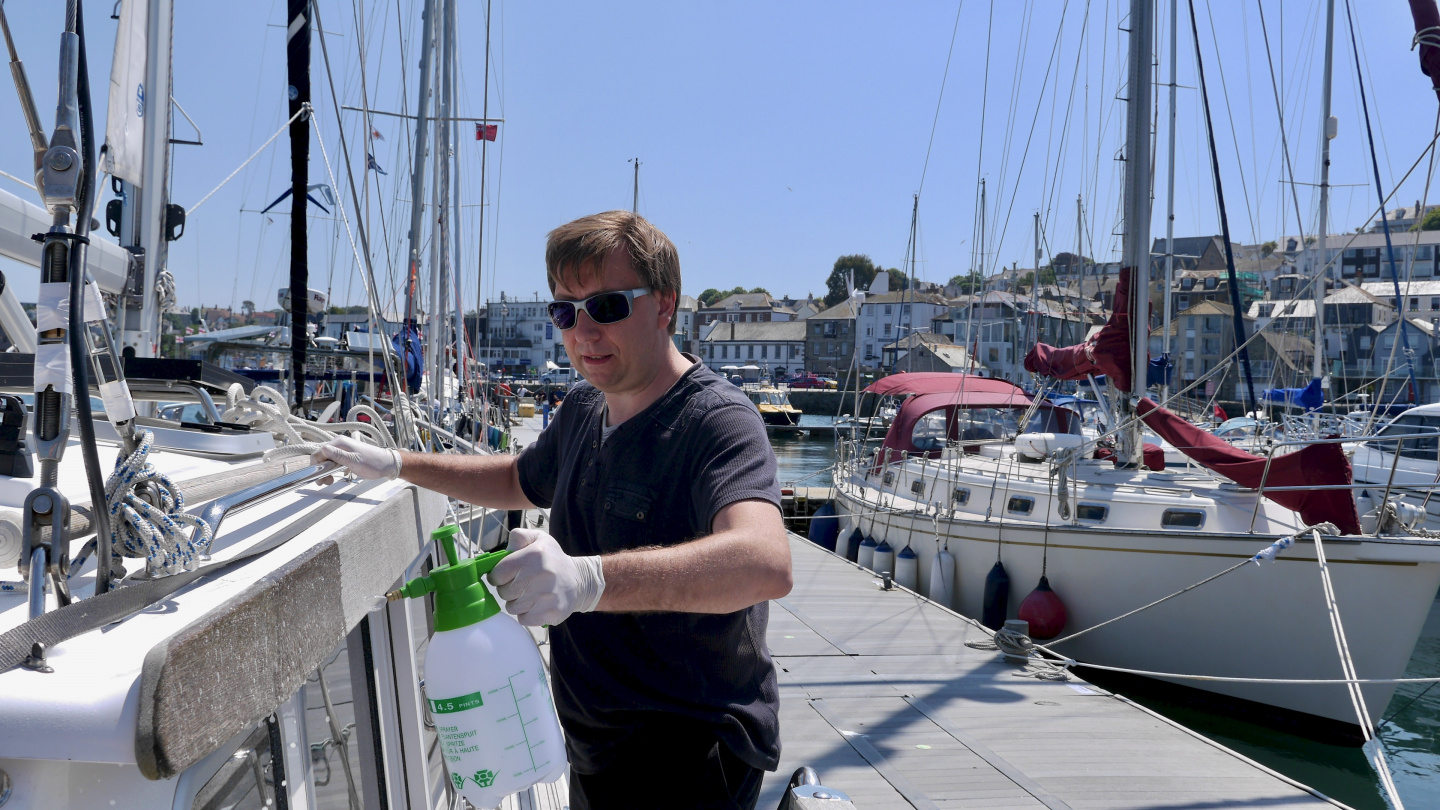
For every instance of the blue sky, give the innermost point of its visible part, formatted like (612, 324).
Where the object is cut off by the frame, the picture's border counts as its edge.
(773, 137)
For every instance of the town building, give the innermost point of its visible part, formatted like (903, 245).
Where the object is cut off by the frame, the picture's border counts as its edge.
(519, 335)
(889, 315)
(746, 308)
(1202, 338)
(830, 340)
(777, 348)
(687, 324)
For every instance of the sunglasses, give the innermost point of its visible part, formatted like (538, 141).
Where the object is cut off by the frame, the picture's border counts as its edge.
(603, 308)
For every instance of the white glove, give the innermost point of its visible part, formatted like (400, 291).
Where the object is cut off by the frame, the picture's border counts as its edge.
(541, 584)
(364, 460)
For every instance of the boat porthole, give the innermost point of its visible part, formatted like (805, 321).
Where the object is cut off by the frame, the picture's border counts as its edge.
(917, 487)
(1182, 519)
(1092, 512)
(1020, 505)
(960, 496)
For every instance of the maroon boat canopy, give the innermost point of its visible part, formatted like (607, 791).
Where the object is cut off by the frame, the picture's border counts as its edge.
(1314, 465)
(1107, 353)
(944, 382)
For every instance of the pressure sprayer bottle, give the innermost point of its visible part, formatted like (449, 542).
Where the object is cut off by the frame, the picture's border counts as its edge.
(485, 684)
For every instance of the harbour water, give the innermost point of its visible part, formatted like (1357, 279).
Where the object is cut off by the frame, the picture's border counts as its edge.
(1410, 731)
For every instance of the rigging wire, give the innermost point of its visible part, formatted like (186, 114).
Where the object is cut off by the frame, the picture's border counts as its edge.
(943, 79)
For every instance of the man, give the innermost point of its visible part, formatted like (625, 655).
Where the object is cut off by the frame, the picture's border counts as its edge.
(667, 539)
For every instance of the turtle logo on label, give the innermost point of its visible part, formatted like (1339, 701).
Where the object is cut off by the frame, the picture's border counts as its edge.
(458, 780)
(484, 778)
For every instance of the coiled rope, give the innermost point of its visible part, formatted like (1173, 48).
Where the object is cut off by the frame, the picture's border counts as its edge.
(154, 531)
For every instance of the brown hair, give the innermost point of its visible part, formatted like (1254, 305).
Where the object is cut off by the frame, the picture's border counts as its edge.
(573, 246)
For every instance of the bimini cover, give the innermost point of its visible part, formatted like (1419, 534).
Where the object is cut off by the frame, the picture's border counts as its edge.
(1108, 352)
(900, 437)
(943, 382)
(1310, 397)
(1316, 465)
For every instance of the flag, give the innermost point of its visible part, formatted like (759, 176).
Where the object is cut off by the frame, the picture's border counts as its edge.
(375, 134)
(373, 165)
(486, 132)
(189, 330)
(1220, 414)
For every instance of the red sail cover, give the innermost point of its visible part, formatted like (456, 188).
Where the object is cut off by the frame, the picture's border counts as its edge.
(1315, 465)
(1427, 30)
(1108, 352)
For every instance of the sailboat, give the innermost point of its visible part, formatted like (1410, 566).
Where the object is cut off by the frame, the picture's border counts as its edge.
(1020, 497)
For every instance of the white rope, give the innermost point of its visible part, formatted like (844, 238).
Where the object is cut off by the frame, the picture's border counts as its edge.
(304, 110)
(155, 532)
(1347, 664)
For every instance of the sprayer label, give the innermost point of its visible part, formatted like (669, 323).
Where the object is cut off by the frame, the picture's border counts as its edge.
(456, 704)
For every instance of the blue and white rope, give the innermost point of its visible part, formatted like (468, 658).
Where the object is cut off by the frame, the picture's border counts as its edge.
(155, 532)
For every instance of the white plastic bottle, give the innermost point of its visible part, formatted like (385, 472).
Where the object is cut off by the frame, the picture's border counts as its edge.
(485, 685)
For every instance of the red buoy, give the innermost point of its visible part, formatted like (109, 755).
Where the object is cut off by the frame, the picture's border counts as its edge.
(1044, 611)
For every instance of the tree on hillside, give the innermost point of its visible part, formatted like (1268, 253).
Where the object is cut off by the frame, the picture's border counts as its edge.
(709, 297)
(248, 308)
(760, 290)
(1268, 248)
(1431, 222)
(972, 281)
(898, 280)
(858, 265)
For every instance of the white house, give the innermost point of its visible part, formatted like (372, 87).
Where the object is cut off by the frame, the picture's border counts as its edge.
(888, 316)
(776, 347)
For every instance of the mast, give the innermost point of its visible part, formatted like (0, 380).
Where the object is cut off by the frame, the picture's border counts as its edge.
(143, 336)
(1034, 296)
(439, 196)
(297, 73)
(1135, 256)
(982, 265)
(457, 316)
(635, 198)
(480, 232)
(1170, 195)
(417, 174)
(910, 293)
(1328, 129)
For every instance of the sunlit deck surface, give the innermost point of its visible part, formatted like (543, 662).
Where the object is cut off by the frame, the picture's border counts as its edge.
(880, 695)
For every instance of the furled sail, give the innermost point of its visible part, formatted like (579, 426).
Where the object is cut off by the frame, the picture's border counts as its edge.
(1427, 36)
(1107, 352)
(1310, 397)
(1315, 465)
(125, 116)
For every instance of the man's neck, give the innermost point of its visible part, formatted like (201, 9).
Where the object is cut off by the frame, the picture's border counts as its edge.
(622, 405)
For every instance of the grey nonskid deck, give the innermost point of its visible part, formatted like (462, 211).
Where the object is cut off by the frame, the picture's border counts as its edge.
(880, 695)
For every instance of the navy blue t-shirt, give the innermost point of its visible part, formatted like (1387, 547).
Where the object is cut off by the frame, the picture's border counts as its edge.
(657, 480)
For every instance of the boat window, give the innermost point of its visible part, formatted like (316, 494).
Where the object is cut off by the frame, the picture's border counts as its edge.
(1425, 447)
(889, 478)
(929, 431)
(1091, 511)
(960, 496)
(1020, 505)
(917, 487)
(1182, 519)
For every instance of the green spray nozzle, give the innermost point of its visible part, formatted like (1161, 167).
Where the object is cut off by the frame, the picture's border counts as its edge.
(461, 597)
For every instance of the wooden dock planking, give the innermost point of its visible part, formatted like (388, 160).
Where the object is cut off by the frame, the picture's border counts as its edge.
(881, 696)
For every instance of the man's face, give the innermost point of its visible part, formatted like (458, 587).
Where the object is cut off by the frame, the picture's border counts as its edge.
(620, 357)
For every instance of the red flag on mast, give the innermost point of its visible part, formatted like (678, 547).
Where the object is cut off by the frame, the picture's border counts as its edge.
(486, 132)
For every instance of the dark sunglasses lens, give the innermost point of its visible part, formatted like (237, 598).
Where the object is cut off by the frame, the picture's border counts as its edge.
(563, 314)
(608, 307)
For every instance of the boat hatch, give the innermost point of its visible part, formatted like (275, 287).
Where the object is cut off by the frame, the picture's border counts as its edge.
(1182, 519)
(1020, 505)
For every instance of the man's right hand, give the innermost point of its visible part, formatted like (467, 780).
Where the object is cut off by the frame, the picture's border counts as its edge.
(367, 461)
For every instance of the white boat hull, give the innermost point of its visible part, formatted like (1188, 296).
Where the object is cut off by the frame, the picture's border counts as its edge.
(1259, 622)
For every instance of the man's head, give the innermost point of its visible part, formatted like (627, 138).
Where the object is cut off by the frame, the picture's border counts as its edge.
(616, 251)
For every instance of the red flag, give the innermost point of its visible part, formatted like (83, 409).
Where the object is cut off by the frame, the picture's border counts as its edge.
(375, 133)
(486, 132)
(1220, 414)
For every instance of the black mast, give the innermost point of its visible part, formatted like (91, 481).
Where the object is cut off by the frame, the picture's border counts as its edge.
(297, 68)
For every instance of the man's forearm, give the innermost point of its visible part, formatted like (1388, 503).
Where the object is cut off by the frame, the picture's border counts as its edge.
(490, 481)
(721, 573)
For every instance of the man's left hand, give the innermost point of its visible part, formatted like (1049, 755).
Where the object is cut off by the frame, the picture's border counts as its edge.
(541, 584)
